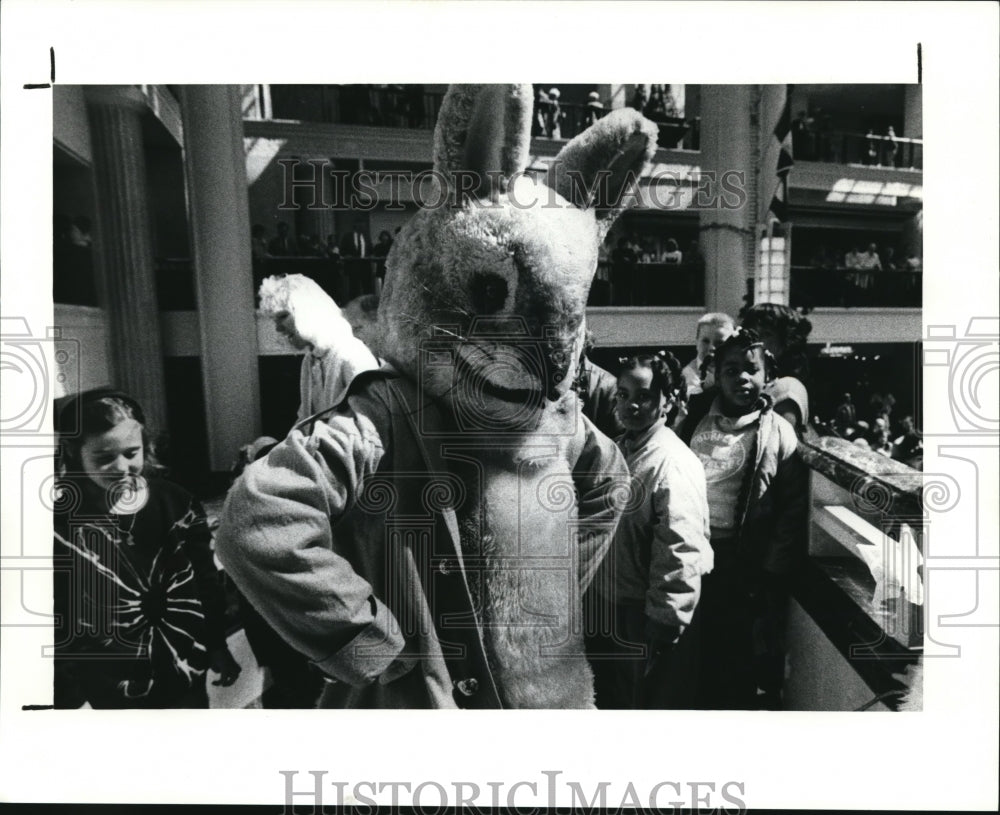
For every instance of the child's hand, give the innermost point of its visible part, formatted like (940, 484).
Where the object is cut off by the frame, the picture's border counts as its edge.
(659, 638)
(223, 663)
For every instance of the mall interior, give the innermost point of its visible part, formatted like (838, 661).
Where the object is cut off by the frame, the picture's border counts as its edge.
(172, 203)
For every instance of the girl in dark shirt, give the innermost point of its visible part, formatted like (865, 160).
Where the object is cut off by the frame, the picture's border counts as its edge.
(138, 602)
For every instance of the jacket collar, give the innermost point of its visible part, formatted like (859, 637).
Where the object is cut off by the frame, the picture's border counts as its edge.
(764, 405)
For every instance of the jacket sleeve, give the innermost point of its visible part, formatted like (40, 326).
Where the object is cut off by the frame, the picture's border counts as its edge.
(680, 552)
(791, 502)
(305, 390)
(601, 479)
(276, 541)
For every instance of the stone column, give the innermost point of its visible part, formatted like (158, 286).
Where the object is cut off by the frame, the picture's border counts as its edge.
(126, 272)
(219, 215)
(727, 226)
(913, 112)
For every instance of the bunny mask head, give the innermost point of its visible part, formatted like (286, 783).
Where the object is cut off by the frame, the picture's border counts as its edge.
(485, 295)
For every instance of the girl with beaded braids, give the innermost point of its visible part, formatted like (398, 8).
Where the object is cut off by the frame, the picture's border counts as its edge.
(137, 598)
(757, 500)
(784, 331)
(650, 582)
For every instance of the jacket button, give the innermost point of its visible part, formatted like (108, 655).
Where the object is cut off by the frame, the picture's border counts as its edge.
(467, 687)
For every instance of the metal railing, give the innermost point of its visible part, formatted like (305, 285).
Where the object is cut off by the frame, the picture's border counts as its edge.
(841, 147)
(813, 286)
(574, 118)
(409, 107)
(648, 284)
(400, 107)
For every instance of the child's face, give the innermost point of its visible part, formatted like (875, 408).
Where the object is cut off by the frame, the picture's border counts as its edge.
(638, 406)
(284, 322)
(742, 376)
(114, 456)
(709, 337)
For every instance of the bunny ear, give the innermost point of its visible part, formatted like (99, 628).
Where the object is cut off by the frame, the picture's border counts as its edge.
(483, 132)
(598, 169)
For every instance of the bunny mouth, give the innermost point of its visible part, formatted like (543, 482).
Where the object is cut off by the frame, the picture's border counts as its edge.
(476, 384)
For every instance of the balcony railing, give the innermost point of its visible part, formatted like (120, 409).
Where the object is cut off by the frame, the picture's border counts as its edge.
(648, 284)
(840, 147)
(862, 585)
(812, 287)
(409, 107)
(573, 119)
(402, 107)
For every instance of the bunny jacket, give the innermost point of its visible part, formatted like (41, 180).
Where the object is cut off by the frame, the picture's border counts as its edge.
(347, 539)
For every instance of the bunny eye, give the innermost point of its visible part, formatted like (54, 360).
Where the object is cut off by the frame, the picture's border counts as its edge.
(488, 292)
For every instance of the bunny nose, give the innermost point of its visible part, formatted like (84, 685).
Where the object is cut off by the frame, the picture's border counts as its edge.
(558, 356)
(488, 293)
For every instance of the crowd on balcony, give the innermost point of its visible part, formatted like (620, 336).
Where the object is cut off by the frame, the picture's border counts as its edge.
(871, 258)
(345, 267)
(354, 243)
(647, 270)
(816, 137)
(659, 104)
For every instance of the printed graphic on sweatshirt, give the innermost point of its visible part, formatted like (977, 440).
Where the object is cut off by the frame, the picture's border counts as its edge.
(722, 453)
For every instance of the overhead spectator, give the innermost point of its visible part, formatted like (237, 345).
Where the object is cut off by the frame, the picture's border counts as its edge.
(669, 103)
(595, 109)
(655, 108)
(623, 272)
(874, 147)
(258, 243)
(356, 246)
(282, 245)
(541, 113)
(383, 245)
(310, 247)
(801, 147)
(890, 147)
(672, 254)
(869, 260)
(639, 99)
(554, 115)
(852, 260)
(356, 243)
